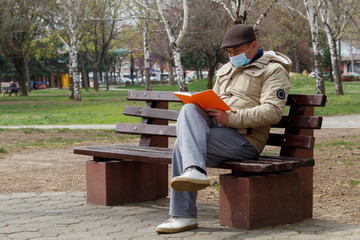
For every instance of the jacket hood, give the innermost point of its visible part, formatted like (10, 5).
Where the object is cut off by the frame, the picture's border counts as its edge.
(271, 56)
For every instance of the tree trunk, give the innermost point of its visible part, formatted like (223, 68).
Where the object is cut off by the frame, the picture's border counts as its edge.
(107, 80)
(335, 65)
(179, 70)
(175, 43)
(146, 50)
(84, 73)
(27, 74)
(171, 72)
(314, 28)
(19, 65)
(211, 69)
(75, 73)
(58, 78)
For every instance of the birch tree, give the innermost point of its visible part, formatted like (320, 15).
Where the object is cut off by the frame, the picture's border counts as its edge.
(146, 12)
(239, 10)
(66, 18)
(176, 41)
(312, 16)
(336, 15)
(312, 10)
(146, 47)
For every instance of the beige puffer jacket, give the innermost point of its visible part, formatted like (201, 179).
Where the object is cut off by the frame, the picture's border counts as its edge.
(256, 94)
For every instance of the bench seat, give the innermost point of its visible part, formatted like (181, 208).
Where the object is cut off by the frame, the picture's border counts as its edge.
(264, 164)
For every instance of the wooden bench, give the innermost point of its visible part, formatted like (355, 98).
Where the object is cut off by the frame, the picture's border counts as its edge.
(9, 91)
(257, 193)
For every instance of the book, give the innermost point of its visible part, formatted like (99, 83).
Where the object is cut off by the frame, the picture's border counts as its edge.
(206, 99)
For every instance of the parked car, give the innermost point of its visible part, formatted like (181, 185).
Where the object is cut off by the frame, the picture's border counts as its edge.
(350, 76)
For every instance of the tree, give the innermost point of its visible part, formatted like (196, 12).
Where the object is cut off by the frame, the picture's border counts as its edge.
(18, 27)
(312, 9)
(336, 15)
(103, 28)
(67, 19)
(176, 41)
(206, 30)
(4, 63)
(239, 11)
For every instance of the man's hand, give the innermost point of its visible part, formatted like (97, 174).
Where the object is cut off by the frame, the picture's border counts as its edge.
(220, 116)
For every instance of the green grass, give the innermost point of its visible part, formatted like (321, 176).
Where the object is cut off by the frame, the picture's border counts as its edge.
(3, 150)
(51, 107)
(354, 183)
(58, 138)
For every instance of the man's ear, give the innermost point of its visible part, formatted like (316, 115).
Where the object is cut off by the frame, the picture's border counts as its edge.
(254, 44)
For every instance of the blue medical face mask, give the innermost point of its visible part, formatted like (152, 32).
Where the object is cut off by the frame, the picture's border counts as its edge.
(240, 59)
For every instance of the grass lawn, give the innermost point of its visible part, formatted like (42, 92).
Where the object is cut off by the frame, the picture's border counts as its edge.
(51, 107)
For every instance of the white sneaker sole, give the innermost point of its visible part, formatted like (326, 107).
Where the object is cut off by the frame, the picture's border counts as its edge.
(176, 230)
(182, 184)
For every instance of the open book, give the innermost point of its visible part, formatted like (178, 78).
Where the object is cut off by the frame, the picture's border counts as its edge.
(206, 99)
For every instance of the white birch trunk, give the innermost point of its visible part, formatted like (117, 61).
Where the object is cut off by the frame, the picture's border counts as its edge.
(311, 12)
(332, 27)
(263, 16)
(73, 55)
(75, 72)
(175, 43)
(146, 48)
(72, 30)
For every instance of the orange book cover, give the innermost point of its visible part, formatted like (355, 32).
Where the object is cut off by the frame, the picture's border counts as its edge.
(206, 99)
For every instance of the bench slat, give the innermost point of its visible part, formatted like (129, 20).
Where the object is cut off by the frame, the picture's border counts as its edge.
(293, 99)
(146, 129)
(163, 155)
(118, 152)
(304, 162)
(152, 96)
(286, 140)
(306, 99)
(305, 122)
(151, 113)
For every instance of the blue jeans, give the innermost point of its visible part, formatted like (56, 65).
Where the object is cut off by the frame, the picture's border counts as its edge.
(200, 142)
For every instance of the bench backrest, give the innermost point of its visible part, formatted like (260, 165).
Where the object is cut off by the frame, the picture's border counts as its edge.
(296, 141)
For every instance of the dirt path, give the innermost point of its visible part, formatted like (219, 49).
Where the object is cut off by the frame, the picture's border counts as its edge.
(336, 174)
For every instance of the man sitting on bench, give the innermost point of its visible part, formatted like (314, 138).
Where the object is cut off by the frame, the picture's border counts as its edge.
(255, 84)
(12, 89)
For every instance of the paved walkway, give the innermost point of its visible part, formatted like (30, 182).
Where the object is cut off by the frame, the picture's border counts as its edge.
(59, 215)
(347, 121)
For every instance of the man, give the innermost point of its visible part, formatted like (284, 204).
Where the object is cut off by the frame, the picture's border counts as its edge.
(13, 88)
(255, 85)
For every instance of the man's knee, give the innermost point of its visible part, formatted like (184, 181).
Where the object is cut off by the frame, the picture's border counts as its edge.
(190, 107)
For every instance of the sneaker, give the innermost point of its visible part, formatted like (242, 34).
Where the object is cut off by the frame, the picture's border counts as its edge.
(190, 180)
(177, 224)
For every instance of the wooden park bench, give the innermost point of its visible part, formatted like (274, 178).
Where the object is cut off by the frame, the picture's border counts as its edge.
(9, 91)
(267, 191)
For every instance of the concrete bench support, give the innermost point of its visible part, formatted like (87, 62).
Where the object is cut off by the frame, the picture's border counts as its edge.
(114, 182)
(257, 201)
